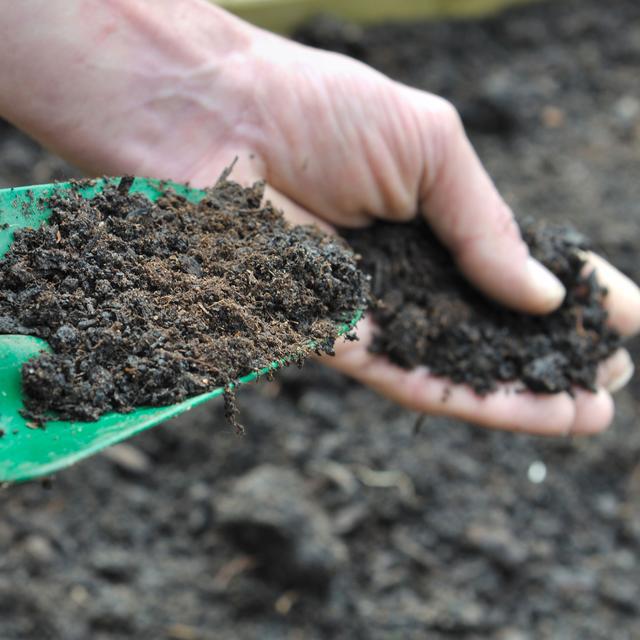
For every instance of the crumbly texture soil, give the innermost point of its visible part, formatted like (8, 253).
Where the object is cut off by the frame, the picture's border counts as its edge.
(447, 538)
(429, 315)
(146, 304)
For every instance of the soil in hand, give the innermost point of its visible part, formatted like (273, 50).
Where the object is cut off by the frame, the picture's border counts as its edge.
(148, 303)
(429, 315)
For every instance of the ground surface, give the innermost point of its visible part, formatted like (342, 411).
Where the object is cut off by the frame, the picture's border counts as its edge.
(439, 536)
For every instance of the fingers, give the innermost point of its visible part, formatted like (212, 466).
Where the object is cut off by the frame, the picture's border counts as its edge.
(623, 299)
(593, 411)
(615, 372)
(293, 212)
(510, 409)
(466, 211)
(506, 409)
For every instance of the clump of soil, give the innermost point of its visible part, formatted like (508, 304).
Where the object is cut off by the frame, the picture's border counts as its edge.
(148, 303)
(429, 315)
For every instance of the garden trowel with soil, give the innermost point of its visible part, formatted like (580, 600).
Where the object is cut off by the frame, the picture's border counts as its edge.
(29, 450)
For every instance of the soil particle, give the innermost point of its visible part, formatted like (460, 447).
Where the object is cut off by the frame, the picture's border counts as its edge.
(149, 303)
(128, 459)
(428, 314)
(113, 565)
(38, 551)
(499, 544)
(267, 513)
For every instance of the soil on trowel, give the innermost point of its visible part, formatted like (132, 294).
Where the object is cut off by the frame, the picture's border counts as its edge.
(428, 314)
(149, 303)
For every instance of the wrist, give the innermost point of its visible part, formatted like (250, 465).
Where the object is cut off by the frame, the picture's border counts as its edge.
(181, 34)
(109, 85)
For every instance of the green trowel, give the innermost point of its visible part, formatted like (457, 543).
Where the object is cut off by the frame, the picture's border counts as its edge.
(27, 452)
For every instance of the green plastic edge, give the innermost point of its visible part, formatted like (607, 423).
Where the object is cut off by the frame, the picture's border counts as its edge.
(27, 453)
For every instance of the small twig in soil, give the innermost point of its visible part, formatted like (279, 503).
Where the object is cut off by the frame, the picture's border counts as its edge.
(231, 411)
(420, 420)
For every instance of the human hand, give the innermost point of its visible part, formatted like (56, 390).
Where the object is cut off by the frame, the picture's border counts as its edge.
(340, 143)
(179, 92)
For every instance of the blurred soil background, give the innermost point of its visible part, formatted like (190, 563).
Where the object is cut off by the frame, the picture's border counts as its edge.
(330, 519)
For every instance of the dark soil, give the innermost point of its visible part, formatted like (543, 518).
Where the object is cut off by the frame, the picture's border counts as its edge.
(442, 536)
(145, 304)
(429, 315)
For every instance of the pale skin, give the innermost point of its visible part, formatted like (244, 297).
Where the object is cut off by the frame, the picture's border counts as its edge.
(178, 88)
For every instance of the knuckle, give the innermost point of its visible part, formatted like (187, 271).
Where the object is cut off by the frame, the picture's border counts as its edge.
(505, 223)
(447, 117)
(442, 136)
(500, 229)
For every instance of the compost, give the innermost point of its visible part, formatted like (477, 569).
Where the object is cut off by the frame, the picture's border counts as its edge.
(428, 314)
(147, 303)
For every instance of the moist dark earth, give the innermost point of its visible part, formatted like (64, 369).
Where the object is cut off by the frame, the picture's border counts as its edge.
(330, 519)
(428, 314)
(147, 303)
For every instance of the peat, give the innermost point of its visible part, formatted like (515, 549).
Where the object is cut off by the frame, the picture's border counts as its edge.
(429, 315)
(148, 303)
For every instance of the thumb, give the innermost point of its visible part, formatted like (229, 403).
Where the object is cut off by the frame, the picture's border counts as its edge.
(467, 213)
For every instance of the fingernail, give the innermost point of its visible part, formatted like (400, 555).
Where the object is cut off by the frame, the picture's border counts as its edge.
(621, 380)
(546, 283)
